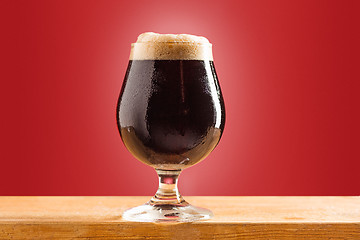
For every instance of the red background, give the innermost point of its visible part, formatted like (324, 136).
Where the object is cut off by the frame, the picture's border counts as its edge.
(289, 71)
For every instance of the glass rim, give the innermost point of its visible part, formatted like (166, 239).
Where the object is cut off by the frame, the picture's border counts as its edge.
(172, 43)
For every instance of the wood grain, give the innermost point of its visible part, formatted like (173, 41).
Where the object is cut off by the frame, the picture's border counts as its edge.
(235, 218)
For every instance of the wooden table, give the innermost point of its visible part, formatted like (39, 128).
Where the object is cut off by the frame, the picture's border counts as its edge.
(235, 218)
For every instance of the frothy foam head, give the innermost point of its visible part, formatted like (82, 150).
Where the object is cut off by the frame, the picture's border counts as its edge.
(155, 46)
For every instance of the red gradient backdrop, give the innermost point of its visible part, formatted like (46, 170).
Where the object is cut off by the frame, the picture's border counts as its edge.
(289, 71)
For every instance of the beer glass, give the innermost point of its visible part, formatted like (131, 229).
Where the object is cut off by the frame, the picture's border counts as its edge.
(170, 116)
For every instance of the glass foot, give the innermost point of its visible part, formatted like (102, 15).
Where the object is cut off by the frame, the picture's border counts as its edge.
(183, 212)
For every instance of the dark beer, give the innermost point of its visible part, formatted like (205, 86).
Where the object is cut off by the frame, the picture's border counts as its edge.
(170, 115)
(170, 112)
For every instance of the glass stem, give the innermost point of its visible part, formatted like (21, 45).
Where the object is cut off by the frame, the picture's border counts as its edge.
(168, 192)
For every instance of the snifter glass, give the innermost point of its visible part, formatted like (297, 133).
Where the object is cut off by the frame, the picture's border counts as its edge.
(170, 116)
